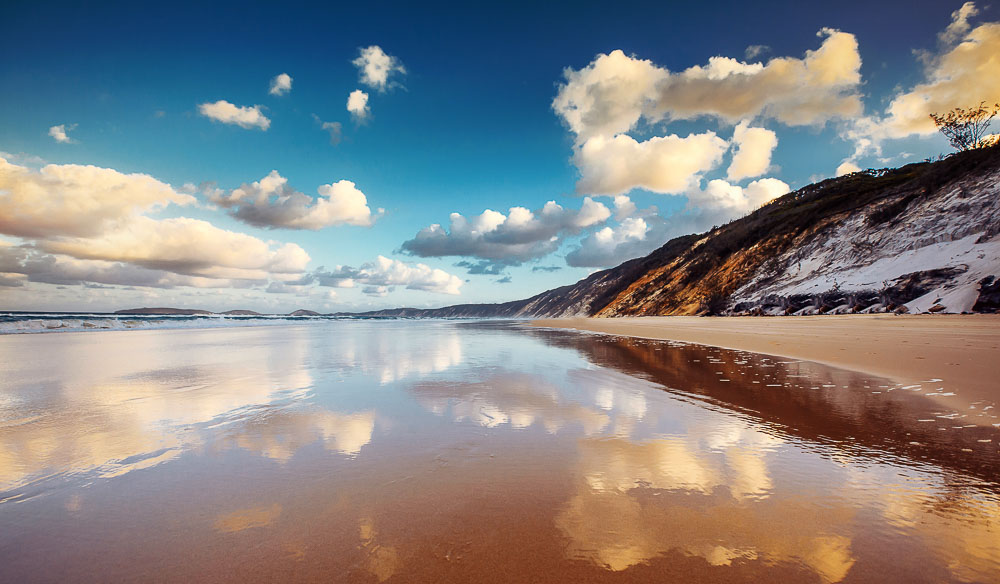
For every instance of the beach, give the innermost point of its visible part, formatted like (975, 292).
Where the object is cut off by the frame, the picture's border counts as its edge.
(476, 451)
(960, 352)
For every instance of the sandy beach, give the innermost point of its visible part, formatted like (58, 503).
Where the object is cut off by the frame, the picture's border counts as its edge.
(431, 451)
(963, 351)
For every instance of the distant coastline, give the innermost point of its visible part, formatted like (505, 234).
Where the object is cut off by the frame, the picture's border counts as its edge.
(197, 311)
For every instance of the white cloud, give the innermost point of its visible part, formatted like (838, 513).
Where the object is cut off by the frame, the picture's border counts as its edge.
(663, 164)
(22, 158)
(615, 94)
(382, 275)
(847, 167)
(624, 207)
(729, 201)
(645, 230)
(76, 200)
(243, 116)
(605, 247)
(752, 156)
(59, 133)
(281, 84)
(36, 266)
(91, 223)
(185, 246)
(375, 67)
(608, 96)
(821, 86)
(962, 76)
(963, 73)
(357, 104)
(959, 24)
(270, 202)
(615, 91)
(510, 239)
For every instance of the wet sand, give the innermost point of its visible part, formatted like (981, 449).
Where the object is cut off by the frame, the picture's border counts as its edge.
(439, 451)
(962, 352)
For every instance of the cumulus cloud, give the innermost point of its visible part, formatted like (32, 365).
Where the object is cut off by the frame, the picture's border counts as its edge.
(185, 246)
(505, 240)
(76, 200)
(964, 73)
(36, 266)
(89, 224)
(847, 167)
(59, 133)
(752, 156)
(22, 158)
(612, 245)
(729, 201)
(375, 67)
(616, 94)
(821, 86)
(383, 275)
(638, 235)
(243, 116)
(615, 91)
(357, 104)
(662, 164)
(270, 202)
(481, 267)
(608, 96)
(281, 84)
(624, 207)
(376, 291)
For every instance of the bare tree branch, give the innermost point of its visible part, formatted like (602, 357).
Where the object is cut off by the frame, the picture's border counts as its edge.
(966, 128)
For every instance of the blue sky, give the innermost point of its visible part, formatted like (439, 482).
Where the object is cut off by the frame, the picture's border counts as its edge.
(468, 119)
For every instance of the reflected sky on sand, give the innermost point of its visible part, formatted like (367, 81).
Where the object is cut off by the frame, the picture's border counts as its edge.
(432, 451)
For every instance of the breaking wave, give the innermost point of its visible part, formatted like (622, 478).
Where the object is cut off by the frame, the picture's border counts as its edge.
(46, 322)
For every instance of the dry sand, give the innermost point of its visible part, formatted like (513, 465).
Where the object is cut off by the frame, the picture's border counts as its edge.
(961, 350)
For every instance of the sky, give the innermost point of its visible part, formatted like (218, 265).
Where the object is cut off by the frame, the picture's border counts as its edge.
(359, 156)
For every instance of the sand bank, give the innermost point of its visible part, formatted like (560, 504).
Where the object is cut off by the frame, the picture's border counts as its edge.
(963, 351)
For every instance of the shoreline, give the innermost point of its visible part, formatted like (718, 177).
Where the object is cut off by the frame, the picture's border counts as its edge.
(961, 351)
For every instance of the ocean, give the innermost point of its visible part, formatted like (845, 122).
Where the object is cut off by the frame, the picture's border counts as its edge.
(44, 322)
(190, 449)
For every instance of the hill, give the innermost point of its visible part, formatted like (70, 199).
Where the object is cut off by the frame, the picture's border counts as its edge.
(920, 238)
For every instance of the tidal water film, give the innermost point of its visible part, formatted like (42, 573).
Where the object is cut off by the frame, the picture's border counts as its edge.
(437, 451)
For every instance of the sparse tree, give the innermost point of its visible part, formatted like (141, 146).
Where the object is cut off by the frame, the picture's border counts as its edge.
(966, 128)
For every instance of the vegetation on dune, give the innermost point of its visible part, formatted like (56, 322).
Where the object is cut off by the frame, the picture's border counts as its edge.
(729, 255)
(966, 128)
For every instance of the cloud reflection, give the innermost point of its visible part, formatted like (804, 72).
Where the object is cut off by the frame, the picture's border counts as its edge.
(517, 400)
(639, 500)
(135, 400)
(393, 351)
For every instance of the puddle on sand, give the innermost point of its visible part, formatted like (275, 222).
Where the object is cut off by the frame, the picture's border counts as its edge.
(454, 452)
